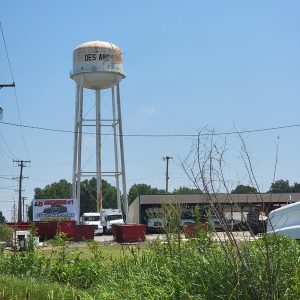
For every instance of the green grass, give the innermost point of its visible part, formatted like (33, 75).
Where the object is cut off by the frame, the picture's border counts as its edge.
(109, 251)
(197, 269)
(12, 287)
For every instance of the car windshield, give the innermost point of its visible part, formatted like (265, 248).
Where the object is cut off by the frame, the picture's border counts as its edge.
(187, 221)
(91, 218)
(114, 217)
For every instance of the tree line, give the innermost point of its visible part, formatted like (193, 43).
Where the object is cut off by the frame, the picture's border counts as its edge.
(88, 203)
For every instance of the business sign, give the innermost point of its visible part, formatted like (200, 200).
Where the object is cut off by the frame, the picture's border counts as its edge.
(55, 210)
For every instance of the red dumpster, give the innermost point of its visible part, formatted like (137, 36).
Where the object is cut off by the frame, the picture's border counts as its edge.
(46, 230)
(129, 233)
(19, 226)
(67, 227)
(83, 233)
(192, 230)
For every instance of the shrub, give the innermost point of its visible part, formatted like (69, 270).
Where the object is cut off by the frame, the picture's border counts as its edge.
(6, 232)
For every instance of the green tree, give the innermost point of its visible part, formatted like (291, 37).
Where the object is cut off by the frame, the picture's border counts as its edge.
(56, 190)
(296, 188)
(244, 189)
(2, 218)
(185, 190)
(280, 186)
(88, 196)
(142, 189)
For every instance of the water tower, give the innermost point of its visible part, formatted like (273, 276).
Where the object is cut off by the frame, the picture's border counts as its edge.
(97, 66)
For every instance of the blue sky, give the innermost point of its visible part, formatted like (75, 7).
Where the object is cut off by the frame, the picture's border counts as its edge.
(189, 65)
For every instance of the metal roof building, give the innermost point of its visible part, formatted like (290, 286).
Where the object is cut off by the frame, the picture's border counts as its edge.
(238, 202)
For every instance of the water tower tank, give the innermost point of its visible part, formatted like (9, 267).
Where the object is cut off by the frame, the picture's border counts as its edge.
(97, 65)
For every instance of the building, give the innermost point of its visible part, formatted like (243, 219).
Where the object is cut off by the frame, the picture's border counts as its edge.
(232, 206)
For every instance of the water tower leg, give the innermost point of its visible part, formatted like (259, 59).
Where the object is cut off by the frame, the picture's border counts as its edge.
(75, 147)
(98, 151)
(122, 155)
(114, 124)
(80, 108)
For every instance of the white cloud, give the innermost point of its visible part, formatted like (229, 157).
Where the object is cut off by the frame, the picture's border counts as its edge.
(145, 116)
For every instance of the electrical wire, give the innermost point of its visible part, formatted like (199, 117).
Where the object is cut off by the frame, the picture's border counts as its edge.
(6, 188)
(9, 196)
(9, 150)
(90, 192)
(159, 135)
(8, 178)
(142, 178)
(15, 91)
(8, 60)
(4, 160)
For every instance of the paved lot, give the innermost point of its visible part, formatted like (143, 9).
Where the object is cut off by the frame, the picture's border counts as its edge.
(220, 236)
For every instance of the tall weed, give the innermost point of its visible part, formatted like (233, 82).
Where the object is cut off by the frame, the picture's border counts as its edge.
(199, 269)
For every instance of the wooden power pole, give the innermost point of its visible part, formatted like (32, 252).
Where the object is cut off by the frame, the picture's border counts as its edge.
(21, 164)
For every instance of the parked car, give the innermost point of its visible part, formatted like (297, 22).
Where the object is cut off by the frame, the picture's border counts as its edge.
(184, 222)
(155, 225)
(215, 223)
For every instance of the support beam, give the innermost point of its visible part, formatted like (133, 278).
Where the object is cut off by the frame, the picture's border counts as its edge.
(125, 203)
(114, 123)
(98, 151)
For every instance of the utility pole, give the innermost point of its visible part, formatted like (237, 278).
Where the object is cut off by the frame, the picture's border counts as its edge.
(166, 158)
(2, 86)
(21, 164)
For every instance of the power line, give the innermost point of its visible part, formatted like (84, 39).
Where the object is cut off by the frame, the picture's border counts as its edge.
(15, 91)
(6, 52)
(3, 151)
(21, 126)
(4, 160)
(158, 135)
(7, 188)
(9, 150)
(5, 177)
(142, 178)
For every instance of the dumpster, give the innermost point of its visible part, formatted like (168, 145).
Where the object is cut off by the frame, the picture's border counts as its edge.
(83, 233)
(19, 226)
(46, 230)
(67, 227)
(129, 233)
(192, 230)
